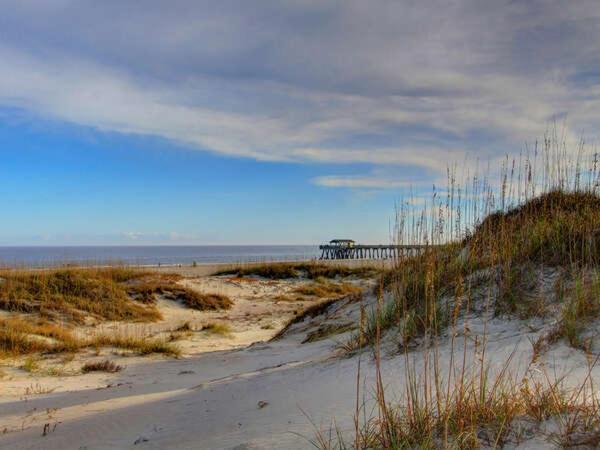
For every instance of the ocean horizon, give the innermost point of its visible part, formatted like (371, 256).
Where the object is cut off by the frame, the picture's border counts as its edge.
(150, 255)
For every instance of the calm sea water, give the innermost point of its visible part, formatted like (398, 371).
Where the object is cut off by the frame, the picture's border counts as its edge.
(152, 255)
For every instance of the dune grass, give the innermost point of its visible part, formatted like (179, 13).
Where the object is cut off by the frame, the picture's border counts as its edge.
(116, 293)
(579, 308)
(467, 408)
(318, 309)
(323, 288)
(20, 338)
(101, 366)
(219, 328)
(148, 291)
(277, 271)
(47, 304)
(559, 228)
(488, 245)
(139, 344)
(73, 294)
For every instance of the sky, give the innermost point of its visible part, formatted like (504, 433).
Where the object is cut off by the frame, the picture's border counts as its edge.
(271, 122)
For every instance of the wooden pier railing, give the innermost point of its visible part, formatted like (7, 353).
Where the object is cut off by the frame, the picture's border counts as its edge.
(369, 251)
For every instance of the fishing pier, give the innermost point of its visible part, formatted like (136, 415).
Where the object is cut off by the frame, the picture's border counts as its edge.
(348, 249)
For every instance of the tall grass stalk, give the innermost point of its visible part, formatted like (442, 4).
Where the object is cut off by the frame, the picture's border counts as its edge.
(485, 234)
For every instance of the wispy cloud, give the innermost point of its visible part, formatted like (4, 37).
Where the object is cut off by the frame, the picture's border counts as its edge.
(384, 83)
(371, 182)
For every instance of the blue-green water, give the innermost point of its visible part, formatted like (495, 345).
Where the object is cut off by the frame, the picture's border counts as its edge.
(152, 255)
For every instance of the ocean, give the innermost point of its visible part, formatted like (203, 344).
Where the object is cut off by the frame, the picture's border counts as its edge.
(152, 255)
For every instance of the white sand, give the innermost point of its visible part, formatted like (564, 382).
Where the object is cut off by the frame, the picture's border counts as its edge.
(256, 397)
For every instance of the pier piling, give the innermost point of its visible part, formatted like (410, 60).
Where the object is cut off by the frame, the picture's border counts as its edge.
(346, 249)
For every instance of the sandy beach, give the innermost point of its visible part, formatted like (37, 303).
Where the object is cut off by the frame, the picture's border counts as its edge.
(217, 348)
(223, 394)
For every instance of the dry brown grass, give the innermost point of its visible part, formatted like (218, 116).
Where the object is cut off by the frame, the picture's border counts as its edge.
(139, 344)
(19, 338)
(557, 228)
(547, 231)
(219, 328)
(580, 306)
(319, 289)
(276, 271)
(483, 239)
(73, 294)
(464, 406)
(101, 366)
(326, 289)
(116, 293)
(149, 291)
(55, 299)
(289, 298)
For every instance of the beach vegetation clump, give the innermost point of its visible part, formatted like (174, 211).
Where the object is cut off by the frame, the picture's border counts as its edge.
(149, 291)
(323, 288)
(277, 271)
(579, 309)
(471, 406)
(319, 309)
(45, 305)
(74, 294)
(315, 271)
(493, 243)
(272, 271)
(556, 228)
(138, 344)
(23, 337)
(114, 293)
(101, 366)
(218, 328)
(19, 337)
(524, 248)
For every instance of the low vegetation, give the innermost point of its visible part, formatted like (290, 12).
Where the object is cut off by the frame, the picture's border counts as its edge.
(47, 304)
(472, 409)
(276, 271)
(529, 247)
(116, 293)
(323, 288)
(20, 338)
(500, 260)
(101, 366)
(139, 344)
(556, 228)
(579, 309)
(218, 328)
(73, 294)
(149, 291)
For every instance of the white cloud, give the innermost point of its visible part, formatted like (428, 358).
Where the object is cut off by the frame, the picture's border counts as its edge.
(389, 83)
(364, 182)
(432, 158)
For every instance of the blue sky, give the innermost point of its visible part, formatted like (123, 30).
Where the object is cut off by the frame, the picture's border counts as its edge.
(270, 122)
(76, 185)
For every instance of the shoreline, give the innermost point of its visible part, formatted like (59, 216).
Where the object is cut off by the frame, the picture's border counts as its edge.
(207, 268)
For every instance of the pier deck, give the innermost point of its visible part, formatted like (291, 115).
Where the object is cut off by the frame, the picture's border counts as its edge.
(333, 251)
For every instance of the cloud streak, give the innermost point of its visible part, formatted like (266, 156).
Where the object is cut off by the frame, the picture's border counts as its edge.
(360, 182)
